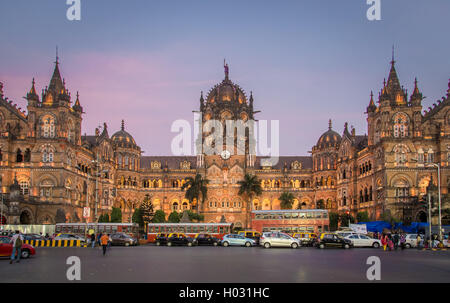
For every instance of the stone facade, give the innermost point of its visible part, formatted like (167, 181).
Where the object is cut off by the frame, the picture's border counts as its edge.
(50, 171)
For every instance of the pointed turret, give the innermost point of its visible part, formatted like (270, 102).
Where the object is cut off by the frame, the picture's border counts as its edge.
(202, 101)
(32, 96)
(56, 84)
(77, 106)
(416, 96)
(372, 107)
(251, 100)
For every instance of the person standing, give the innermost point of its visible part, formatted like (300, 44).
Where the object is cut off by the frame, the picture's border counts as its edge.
(402, 241)
(93, 240)
(419, 242)
(396, 239)
(384, 241)
(104, 241)
(17, 241)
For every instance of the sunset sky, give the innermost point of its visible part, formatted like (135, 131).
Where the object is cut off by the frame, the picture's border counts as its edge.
(147, 61)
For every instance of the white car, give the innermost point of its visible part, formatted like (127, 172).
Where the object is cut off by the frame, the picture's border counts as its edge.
(360, 240)
(411, 240)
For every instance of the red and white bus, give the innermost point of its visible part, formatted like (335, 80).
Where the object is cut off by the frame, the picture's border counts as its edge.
(217, 230)
(106, 228)
(291, 221)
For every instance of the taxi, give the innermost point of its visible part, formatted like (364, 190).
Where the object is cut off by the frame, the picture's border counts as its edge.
(306, 239)
(251, 234)
(6, 248)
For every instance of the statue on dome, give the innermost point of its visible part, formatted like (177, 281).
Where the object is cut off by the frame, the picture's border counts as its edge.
(225, 66)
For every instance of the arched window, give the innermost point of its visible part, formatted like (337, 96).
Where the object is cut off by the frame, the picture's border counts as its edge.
(401, 188)
(175, 206)
(24, 187)
(19, 156)
(47, 154)
(46, 188)
(400, 154)
(48, 129)
(27, 157)
(400, 125)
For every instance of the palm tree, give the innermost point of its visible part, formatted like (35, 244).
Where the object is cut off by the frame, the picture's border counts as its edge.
(286, 199)
(249, 187)
(196, 187)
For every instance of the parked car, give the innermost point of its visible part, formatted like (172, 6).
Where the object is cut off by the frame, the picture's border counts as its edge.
(6, 248)
(123, 239)
(306, 239)
(179, 239)
(411, 240)
(237, 240)
(251, 234)
(161, 239)
(205, 239)
(360, 240)
(333, 240)
(278, 239)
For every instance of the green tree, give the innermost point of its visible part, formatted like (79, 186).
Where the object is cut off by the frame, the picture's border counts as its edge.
(286, 200)
(195, 216)
(116, 215)
(196, 188)
(362, 216)
(174, 217)
(345, 218)
(137, 217)
(249, 187)
(146, 209)
(159, 217)
(334, 219)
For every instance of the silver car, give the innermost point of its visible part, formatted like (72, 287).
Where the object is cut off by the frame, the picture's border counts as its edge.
(278, 239)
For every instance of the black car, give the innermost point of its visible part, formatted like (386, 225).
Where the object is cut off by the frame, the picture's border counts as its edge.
(123, 239)
(333, 240)
(205, 239)
(174, 239)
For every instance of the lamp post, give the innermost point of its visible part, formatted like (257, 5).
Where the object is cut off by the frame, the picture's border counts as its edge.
(439, 197)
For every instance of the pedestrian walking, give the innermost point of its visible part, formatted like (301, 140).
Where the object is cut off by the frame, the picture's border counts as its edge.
(109, 241)
(390, 243)
(419, 242)
(402, 241)
(104, 241)
(98, 239)
(396, 240)
(93, 240)
(384, 241)
(17, 241)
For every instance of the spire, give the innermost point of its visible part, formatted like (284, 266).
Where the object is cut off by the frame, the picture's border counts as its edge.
(416, 96)
(123, 125)
(202, 101)
(251, 99)
(32, 95)
(77, 106)
(56, 83)
(329, 124)
(393, 84)
(372, 107)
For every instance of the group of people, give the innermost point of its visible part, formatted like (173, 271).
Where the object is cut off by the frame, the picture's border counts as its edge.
(103, 240)
(392, 241)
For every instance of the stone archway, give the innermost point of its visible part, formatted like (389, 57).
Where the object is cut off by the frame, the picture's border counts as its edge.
(421, 217)
(26, 217)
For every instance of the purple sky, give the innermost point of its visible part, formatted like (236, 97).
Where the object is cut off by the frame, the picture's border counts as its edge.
(147, 61)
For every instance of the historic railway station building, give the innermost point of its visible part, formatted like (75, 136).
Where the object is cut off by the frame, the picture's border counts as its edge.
(49, 169)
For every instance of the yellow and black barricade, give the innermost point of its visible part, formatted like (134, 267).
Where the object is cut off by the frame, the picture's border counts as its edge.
(56, 243)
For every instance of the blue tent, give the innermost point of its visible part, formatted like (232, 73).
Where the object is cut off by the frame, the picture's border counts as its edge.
(376, 226)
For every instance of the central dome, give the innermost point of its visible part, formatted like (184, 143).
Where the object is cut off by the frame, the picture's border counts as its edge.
(123, 138)
(330, 138)
(226, 91)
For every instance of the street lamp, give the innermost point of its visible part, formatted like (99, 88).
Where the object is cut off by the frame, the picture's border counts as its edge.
(439, 196)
